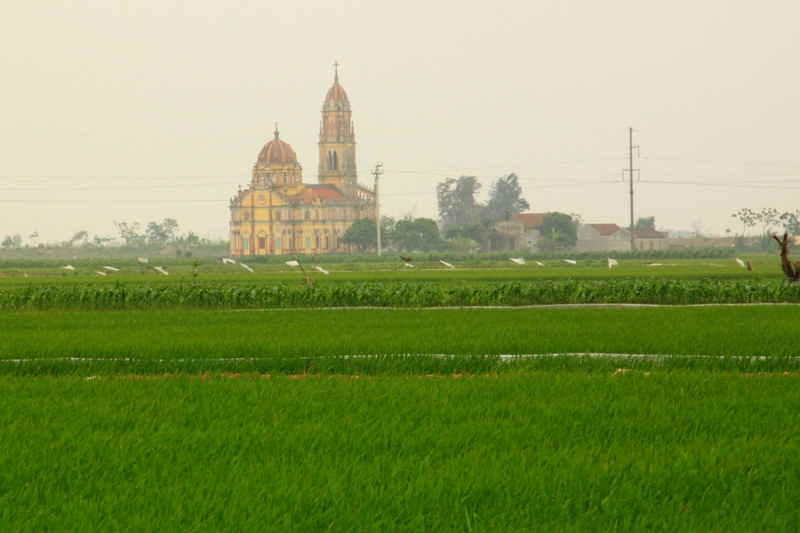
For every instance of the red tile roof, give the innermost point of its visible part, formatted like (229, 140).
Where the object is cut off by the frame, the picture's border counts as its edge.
(310, 192)
(327, 193)
(648, 234)
(605, 229)
(530, 220)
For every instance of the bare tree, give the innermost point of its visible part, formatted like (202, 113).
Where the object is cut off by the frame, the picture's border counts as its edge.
(697, 227)
(792, 272)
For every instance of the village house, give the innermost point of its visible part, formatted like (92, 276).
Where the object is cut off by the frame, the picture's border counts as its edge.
(603, 237)
(521, 230)
(650, 239)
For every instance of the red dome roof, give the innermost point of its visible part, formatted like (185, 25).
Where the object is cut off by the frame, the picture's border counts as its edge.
(277, 151)
(336, 93)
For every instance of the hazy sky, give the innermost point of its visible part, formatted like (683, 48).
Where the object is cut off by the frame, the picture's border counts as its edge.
(138, 111)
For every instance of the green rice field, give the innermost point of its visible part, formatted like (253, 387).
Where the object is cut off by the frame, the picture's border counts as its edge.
(331, 341)
(541, 451)
(767, 268)
(231, 401)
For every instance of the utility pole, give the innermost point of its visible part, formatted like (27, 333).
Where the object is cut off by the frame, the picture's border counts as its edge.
(630, 175)
(377, 173)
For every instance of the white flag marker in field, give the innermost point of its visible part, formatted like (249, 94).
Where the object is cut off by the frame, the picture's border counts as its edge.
(143, 260)
(445, 263)
(101, 272)
(293, 263)
(612, 262)
(246, 267)
(226, 261)
(69, 267)
(538, 263)
(111, 269)
(517, 260)
(740, 263)
(570, 261)
(322, 270)
(409, 265)
(160, 269)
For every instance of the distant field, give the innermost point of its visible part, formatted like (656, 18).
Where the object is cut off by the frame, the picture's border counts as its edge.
(766, 267)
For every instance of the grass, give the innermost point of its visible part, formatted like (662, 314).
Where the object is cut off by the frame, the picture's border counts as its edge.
(545, 451)
(297, 341)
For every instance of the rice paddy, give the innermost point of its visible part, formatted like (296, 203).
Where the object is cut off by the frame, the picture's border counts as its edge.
(229, 403)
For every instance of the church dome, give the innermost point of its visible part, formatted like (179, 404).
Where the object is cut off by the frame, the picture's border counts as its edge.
(336, 93)
(277, 151)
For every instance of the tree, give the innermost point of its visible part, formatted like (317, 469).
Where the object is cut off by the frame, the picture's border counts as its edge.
(363, 234)
(471, 231)
(791, 222)
(557, 232)
(747, 217)
(456, 201)
(8, 242)
(768, 217)
(387, 231)
(420, 234)
(129, 234)
(161, 232)
(192, 238)
(646, 223)
(505, 196)
(82, 235)
(697, 227)
(17, 240)
(101, 241)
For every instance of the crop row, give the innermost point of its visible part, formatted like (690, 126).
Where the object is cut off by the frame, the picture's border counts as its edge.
(232, 296)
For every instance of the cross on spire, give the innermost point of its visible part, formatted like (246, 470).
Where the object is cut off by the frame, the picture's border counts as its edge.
(336, 71)
(276, 130)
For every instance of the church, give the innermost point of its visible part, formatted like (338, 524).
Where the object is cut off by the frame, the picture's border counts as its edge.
(280, 214)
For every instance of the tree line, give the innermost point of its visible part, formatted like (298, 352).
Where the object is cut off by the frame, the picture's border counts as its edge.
(131, 234)
(464, 223)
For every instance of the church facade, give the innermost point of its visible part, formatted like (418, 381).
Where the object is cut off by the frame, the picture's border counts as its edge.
(280, 214)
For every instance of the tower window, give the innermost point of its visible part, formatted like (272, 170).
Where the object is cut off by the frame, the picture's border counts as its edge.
(277, 215)
(307, 215)
(335, 160)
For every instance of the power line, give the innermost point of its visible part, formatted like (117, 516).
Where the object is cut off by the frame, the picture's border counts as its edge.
(723, 162)
(118, 188)
(106, 178)
(106, 201)
(518, 165)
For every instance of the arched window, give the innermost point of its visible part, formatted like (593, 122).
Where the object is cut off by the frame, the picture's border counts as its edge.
(307, 215)
(335, 160)
(330, 161)
(246, 216)
(278, 214)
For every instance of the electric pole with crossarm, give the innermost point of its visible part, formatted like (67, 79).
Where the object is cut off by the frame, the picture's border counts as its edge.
(377, 173)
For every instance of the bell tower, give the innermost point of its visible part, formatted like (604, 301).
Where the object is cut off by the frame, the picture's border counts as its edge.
(337, 141)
